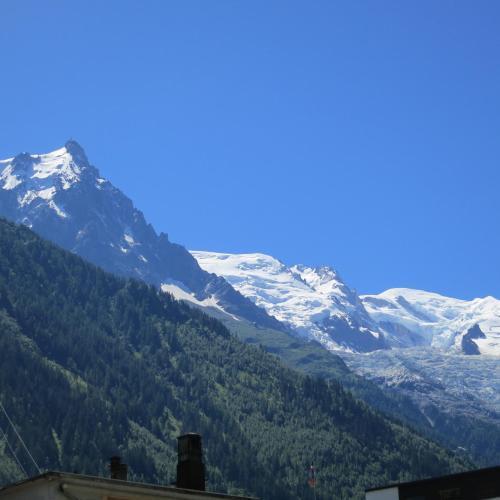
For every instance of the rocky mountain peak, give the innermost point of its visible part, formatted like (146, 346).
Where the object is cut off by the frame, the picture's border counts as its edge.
(59, 169)
(77, 153)
(61, 196)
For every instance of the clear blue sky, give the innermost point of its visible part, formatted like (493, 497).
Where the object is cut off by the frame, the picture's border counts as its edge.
(361, 134)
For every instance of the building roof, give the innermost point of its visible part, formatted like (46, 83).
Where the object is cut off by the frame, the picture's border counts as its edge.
(118, 487)
(480, 483)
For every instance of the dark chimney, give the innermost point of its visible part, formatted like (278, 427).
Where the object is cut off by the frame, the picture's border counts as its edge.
(117, 470)
(190, 467)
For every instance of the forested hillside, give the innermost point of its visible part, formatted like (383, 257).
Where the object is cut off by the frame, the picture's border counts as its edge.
(94, 365)
(468, 434)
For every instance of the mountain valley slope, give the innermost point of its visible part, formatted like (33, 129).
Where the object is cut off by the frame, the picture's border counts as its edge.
(65, 199)
(121, 367)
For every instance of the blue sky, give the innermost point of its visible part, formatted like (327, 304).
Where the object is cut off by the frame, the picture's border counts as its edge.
(360, 134)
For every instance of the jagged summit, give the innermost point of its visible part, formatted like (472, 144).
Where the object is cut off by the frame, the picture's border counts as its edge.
(35, 181)
(66, 164)
(76, 151)
(327, 280)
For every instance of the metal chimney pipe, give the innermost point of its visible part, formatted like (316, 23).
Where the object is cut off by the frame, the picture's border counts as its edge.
(190, 466)
(118, 470)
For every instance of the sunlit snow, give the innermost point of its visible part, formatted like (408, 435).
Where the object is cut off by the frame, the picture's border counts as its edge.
(303, 297)
(180, 292)
(439, 321)
(299, 296)
(38, 177)
(129, 239)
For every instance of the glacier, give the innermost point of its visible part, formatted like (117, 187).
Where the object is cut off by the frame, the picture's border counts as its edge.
(417, 318)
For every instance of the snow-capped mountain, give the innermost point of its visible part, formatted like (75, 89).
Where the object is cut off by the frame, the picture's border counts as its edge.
(412, 318)
(313, 302)
(316, 303)
(405, 340)
(65, 199)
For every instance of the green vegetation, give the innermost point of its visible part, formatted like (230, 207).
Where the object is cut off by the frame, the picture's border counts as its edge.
(94, 365)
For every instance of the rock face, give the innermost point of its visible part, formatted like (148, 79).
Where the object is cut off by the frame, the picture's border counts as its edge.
(468, 344)
(62, 197)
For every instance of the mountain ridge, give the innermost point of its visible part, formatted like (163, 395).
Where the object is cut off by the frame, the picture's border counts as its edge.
(316, 303)
(64, 198)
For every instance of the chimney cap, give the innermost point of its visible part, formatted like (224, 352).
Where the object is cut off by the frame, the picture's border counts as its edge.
(117, 469)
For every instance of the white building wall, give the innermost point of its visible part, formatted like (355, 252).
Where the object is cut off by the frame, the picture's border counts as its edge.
(46, 490)
(385, 494)
(57, 488)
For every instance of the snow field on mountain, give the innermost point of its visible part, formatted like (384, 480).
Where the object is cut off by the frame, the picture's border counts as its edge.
(299, 296)
(304, 297)
(38, 177)
(439, 321)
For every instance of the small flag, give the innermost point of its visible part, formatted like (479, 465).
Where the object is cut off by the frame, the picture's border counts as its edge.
(311, 479)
